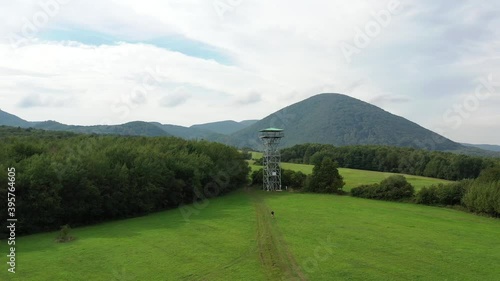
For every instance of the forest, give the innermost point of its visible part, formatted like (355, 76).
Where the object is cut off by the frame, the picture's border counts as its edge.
(63, 178)
(435, 164)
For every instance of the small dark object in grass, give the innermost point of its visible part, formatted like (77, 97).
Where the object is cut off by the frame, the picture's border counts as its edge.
(272, 214)
(64, 234)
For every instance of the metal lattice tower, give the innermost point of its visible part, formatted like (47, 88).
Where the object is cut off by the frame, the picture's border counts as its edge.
(271, 159)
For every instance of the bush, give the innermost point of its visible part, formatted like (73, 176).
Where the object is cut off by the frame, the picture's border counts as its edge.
(64, 234)
(396, 187)
(483, 198)
(443, 194)
(293, 179)
(452, 194)
(365, 191)
(427, 196)
(259, 162)
(393, 188)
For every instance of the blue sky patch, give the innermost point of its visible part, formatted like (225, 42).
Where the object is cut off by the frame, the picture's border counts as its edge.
(176, 43)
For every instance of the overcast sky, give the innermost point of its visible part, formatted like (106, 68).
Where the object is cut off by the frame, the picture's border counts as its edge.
(184, 62)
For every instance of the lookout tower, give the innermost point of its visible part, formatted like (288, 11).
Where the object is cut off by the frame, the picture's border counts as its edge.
(271, 159)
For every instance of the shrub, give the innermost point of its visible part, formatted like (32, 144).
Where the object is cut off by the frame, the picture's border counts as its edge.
(393, 188)
(443, 194)
(293, 179)
(259, 162)
(483, 198)
(452, 194)
(365, 191)
(64, 234)
(396, 187)
(427, 196)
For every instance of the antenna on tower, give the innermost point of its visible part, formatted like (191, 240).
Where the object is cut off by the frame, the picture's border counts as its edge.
(271, 138)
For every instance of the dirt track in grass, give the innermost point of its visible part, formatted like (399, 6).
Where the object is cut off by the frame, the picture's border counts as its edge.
(275, 256)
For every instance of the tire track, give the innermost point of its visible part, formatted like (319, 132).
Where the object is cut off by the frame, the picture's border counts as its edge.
(275, 256)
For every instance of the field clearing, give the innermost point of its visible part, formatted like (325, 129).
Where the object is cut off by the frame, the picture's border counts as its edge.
(312, 237)
(354, 178)
(256, 155)
(217, 243)
(346, 238)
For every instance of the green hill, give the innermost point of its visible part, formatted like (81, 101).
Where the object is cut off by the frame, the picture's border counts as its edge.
(181, 131)
(326, 118)
(490, 147)
(224, 127)
(8, 119)
(342, 120)
(137, 128)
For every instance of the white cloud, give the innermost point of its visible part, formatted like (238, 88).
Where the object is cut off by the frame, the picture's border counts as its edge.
(37, 100)
(250, 98)
(177, 97)
(430, 54)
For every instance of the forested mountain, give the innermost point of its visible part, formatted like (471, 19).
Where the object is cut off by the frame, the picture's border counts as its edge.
(326, 119)
(247, 123)
(182, 132)
(9, 132)
(489, 147)
(137, 128)
(8, 119)
(341, 120)
(224, 127)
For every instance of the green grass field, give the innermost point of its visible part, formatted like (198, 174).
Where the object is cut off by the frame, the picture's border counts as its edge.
(312, 237)
(354, 178)
(256, 155)
(346, 238)
(217, 243)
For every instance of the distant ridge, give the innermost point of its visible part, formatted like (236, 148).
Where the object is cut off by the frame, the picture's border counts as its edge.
(490, 147)
(325, 118)
(8, 119)
(225, 127)
(138, 128)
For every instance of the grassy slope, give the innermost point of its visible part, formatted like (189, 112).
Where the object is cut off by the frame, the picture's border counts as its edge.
(219, 243)
(353, 177)
(275, 256)
(346, 238)
(315, 237)
(256, 155)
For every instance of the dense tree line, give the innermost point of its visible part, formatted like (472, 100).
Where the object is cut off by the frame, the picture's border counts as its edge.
(75, 179)
(412, 161)
(481, 195)
(289, 178)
